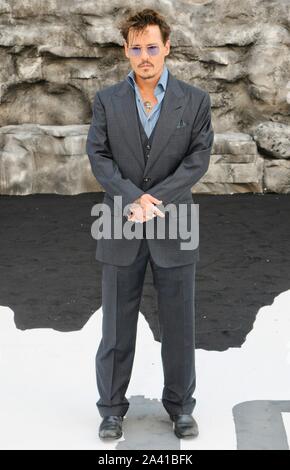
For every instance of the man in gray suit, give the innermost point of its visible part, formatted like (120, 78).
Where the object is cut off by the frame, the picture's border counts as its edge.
(149, 142)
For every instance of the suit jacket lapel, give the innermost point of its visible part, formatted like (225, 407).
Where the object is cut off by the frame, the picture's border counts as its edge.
(173, 104)
(125, 111)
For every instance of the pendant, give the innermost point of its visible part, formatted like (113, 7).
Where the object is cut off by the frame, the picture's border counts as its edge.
(147, 105)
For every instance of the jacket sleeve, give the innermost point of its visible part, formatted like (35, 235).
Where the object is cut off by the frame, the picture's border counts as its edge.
(195, 164)
(104, 168)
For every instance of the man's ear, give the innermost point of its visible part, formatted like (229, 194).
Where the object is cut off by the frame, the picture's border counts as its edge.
(167, 45)
(126, 49)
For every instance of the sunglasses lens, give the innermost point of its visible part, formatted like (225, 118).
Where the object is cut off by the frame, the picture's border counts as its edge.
(135, 51)
(153, 50)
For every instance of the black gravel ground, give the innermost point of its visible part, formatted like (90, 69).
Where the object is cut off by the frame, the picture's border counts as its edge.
(49, 276)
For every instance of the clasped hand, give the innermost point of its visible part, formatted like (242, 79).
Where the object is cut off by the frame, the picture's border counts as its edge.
(143, 209)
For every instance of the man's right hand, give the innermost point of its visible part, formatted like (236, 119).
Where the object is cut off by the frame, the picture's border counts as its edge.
(144, 208)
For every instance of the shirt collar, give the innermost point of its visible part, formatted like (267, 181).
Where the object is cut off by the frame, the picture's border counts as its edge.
(161, 82)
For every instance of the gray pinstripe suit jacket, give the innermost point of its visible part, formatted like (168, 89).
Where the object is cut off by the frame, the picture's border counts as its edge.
(179, 157)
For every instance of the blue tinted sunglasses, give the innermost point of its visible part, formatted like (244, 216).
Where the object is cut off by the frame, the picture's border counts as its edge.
(135, 51)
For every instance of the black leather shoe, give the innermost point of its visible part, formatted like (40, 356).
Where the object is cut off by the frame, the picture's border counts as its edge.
(111, 427)
(184, 425)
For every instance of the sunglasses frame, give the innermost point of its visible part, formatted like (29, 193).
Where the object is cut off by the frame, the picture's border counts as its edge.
(137, 54)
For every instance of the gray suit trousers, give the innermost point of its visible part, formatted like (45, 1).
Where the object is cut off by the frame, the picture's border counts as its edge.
(121, 297)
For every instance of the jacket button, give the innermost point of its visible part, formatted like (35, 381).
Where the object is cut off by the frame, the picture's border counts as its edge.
(148, 146)
(146, 179)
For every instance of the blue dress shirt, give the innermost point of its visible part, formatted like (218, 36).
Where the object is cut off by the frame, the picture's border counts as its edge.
(149, 120)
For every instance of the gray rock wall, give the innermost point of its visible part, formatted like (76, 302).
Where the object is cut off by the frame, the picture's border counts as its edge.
(54, 55)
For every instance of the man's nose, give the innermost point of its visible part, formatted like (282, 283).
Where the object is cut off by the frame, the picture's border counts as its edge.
(144, 54)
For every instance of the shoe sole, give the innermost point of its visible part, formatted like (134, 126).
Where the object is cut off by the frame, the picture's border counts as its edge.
(110, 435)
(185, 434)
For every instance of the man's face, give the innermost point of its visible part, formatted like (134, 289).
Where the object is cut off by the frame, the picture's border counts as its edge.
(147, 66)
